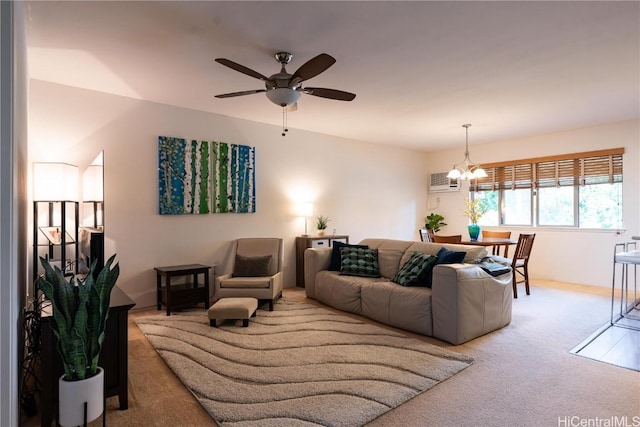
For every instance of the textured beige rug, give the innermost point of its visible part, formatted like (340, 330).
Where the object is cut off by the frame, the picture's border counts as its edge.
(300, 365)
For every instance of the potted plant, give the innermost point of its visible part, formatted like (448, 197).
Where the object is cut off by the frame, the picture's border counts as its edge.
(433, 223)
(474, 209)
(80, 308)
(321, 225)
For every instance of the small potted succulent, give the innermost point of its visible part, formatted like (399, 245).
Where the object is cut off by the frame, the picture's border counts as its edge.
(322, 224)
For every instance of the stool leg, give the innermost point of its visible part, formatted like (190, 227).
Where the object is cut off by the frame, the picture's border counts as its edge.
(212, 322)
(245, 322)
(613, 286)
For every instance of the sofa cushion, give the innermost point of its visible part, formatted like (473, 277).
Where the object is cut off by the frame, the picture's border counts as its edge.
(390, 252)
(359, 262)
(415, 270)
(341, 292)
(403, 307)
(251, 266)
(336, 260)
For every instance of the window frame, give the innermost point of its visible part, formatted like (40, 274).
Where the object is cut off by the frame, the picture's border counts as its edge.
(567, 170)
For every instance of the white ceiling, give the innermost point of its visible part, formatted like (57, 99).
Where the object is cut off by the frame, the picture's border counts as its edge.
(420, 69)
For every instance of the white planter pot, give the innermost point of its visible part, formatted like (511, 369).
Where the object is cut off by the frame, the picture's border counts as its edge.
(72, 396)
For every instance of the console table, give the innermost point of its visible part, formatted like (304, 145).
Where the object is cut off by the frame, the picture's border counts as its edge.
(113, 357)
(304, 242)
(175, 296)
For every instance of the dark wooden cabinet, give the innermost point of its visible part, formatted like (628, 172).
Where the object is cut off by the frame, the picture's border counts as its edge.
(304, 242)
(113, 358)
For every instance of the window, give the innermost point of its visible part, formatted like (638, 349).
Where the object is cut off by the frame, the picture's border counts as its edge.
(573, 190)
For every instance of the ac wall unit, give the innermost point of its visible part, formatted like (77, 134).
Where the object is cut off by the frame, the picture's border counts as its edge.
(439, 183)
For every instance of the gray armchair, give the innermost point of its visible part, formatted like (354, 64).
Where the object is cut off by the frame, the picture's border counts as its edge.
(257, 271)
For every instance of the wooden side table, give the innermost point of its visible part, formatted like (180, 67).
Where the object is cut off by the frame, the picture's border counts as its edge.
(175, 297)
(304, 242)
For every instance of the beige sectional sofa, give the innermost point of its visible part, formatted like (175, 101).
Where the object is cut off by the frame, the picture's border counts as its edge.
(464, 302)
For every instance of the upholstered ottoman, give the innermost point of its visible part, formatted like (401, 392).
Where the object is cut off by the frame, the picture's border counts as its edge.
(233, 308)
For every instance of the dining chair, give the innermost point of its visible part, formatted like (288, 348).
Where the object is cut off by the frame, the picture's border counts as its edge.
(498, 234)
(424, 235)
(520, 262)
(447, 239)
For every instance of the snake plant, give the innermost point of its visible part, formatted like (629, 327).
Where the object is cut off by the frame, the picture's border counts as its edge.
(80, 311)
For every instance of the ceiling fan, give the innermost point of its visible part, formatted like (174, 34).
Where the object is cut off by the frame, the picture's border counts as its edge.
(285, 89)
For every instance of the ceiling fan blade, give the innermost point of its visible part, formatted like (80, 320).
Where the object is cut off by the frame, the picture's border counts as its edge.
(241, 68)
(245, 92)
(313, 67)
(330, 93)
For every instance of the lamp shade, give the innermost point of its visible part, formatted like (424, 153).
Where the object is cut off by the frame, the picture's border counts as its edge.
(92, 184)
(55, 181)
(305, 209)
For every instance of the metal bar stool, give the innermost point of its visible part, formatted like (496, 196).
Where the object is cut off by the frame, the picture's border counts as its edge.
(629, 308)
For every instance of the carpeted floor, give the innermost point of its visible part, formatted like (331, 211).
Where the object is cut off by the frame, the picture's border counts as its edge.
(523, 375)
(300, 365)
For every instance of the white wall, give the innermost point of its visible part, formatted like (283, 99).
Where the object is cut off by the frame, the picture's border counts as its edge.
(568, 255)
(367, 190)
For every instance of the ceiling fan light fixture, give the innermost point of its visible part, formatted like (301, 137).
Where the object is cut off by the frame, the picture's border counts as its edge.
(283, 96)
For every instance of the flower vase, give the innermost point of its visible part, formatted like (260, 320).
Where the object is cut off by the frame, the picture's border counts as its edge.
(474, 232)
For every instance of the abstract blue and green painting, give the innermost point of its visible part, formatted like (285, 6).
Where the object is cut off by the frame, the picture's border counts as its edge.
(183, 176)
(233, 173)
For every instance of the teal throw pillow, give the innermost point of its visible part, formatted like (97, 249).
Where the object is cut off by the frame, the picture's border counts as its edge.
(334, 264)
(414, 271)
(359, 262)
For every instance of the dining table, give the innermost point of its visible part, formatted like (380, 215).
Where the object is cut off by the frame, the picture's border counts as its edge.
(495, 242)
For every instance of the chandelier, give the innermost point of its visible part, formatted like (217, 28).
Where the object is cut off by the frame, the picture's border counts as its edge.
(466, 170)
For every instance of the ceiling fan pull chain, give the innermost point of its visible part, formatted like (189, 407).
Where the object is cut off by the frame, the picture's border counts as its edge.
(284, 121)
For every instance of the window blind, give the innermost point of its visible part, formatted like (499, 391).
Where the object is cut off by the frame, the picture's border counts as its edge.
(586, 168)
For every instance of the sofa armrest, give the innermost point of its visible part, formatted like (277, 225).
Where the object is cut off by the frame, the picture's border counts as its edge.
(467, 302)
(315, 260)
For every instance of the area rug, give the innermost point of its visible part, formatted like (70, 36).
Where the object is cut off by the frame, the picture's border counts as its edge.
(299, 365)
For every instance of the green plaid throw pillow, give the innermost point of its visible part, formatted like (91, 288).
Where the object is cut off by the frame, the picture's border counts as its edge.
(415, 270)
(359, 262)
